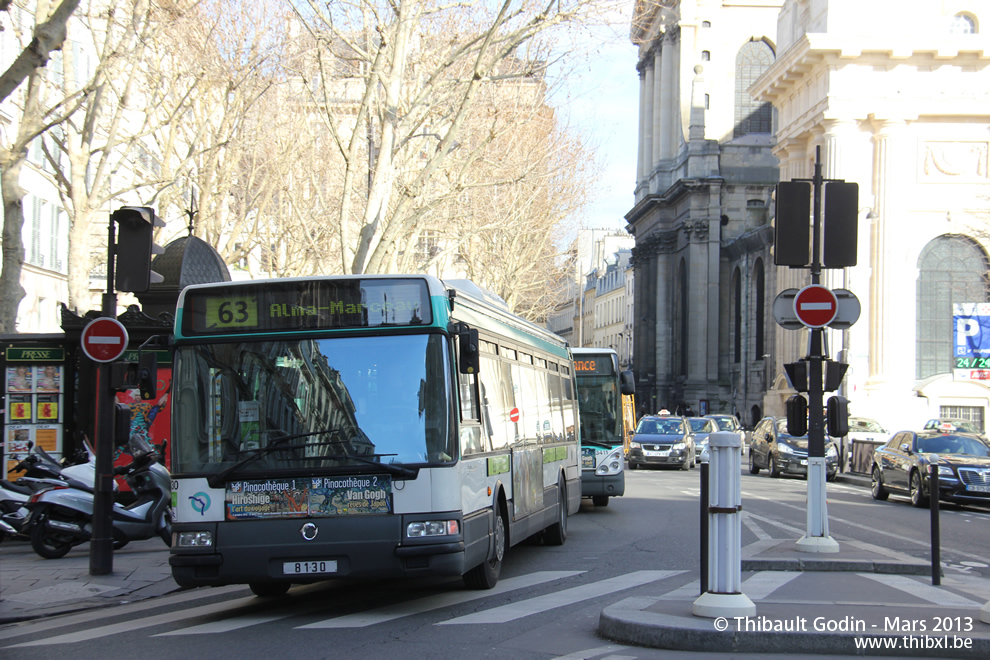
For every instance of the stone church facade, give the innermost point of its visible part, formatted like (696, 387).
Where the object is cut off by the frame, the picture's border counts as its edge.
(736, 97)
(701, 219)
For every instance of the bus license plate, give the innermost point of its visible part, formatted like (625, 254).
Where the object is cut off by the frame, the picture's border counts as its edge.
(309, 567)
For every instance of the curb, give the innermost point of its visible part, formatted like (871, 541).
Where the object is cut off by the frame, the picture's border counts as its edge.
(627, 623)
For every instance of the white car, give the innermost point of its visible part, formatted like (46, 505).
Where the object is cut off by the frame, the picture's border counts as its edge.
(861, 430)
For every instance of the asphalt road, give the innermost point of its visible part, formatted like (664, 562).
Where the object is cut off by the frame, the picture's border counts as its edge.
(548, 601)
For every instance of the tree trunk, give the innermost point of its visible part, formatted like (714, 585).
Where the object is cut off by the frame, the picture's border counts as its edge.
(11, 291)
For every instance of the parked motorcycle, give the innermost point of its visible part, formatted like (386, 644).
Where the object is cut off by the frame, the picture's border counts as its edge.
(62, 517)
(40, 471)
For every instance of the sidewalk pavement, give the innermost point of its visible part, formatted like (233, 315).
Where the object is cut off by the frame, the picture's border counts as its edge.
(814, 603)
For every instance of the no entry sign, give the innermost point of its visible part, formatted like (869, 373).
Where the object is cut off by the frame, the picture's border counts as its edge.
(815, 306)
(514, 415)
(104, 339)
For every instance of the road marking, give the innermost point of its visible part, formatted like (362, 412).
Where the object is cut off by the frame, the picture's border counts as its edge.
(923, 591)
(747, 520)
(408, 608)
(557, 599)
(689, 591)
(137, 624)
(762, 584)
(586, 654)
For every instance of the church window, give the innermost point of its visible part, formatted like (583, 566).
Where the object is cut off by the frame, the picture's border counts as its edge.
(951, 270)
(751, 116)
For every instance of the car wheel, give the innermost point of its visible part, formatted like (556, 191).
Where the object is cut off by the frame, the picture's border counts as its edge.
(632, 466)
(753, 467)
(918, 497)
(876, 485)
(774, 472)
(686, 465)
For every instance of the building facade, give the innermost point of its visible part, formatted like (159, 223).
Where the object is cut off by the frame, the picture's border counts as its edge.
(701, 219)
(893, 98)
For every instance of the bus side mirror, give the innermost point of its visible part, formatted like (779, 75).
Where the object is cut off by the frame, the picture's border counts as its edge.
(470, 358)
(627, 383)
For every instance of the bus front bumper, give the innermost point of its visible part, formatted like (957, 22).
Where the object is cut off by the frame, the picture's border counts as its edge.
(612, 485)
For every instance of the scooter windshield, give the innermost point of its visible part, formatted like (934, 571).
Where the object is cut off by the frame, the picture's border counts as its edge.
(308, 405)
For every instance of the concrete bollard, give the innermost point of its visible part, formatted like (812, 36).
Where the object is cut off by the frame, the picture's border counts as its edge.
(724, 597)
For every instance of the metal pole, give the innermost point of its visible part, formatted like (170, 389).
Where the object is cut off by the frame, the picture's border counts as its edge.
(704, 526)
(933, 504)
(101, 545)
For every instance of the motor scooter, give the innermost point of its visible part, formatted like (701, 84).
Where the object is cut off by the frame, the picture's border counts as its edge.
(62, 517)
(40, 470)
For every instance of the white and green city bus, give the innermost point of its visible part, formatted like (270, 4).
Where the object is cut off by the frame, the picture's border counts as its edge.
(364, 427)
(600, 388)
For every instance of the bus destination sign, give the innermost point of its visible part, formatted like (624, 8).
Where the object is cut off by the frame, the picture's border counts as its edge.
(593, 365)
(306, 305)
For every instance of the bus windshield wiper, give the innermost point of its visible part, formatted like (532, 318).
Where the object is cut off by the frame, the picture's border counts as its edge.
(217, 480)
(392, 468)
(597, 443)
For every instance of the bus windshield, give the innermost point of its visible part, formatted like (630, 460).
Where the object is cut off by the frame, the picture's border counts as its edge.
(306, 405)
(598, 398)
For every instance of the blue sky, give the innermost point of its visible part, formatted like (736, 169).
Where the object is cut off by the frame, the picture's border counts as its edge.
(601, 100)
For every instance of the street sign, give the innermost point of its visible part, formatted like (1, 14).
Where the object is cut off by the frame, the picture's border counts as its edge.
(786, 316)
(104, 339)
(514, 415)
(815, 306)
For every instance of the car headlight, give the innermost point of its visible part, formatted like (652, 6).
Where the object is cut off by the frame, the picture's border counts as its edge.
(944, 471)
(194, 539)
(784, 448)
(635, 445)
(678, 445)
(830, 452)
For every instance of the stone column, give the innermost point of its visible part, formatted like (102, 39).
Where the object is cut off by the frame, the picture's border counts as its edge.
(882, 279)
(668, 97)
(649, 137)
(641, 155)
(659, 82)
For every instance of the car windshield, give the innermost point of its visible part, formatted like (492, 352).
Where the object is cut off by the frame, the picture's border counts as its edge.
(953, 444)
(864, 425)
(346, 403)
(724, 423)
(700, 425)
(659, 427)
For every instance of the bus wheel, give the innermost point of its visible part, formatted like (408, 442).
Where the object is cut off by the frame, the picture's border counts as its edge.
(556, 533)
(485, 575)
(269, 589)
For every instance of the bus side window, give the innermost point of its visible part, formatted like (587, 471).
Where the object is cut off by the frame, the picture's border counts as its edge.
(473, 436)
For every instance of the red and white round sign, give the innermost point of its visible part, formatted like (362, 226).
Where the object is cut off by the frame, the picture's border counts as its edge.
(104, 339)
(815, 306)
(514, 415)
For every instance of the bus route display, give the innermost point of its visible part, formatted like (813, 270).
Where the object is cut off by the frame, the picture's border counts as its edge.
(594, 365)
(306, 305)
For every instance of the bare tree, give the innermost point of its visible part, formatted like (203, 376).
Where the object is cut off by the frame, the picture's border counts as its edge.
(400, 82)
(49, 34)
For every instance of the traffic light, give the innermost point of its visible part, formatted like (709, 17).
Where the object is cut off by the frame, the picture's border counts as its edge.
(148, 375)
(792, 226)
(135, 247)
(797, 375)
(121, 424)
(797, 416)
(837, 416)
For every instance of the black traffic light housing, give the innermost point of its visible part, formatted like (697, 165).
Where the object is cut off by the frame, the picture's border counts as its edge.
(797, 375)
(121, 424)
(135, 247)
(797, 415)
(837, 416)
(147, 375)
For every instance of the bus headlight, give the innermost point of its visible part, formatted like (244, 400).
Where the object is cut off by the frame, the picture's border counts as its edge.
(611, 464)
(194, 539)
(433, 528)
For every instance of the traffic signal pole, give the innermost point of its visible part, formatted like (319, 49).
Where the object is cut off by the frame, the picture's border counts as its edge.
(816, 538)
(101, 545)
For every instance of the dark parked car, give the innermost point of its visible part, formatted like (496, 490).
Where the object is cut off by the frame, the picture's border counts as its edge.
(662, 440)
(776, 450)
(701, 427)
(963, 459)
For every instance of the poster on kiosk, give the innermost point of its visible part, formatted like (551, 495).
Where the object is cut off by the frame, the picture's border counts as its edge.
(34, 410)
